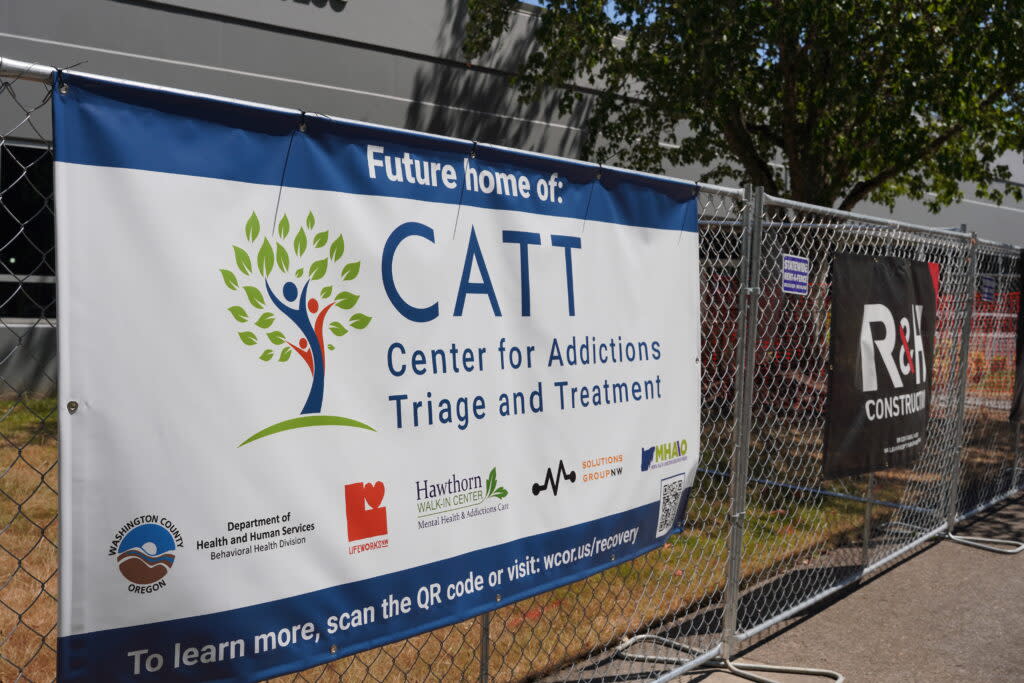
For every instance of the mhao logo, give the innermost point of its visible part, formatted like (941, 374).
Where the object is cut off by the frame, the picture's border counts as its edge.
(144, 551)
(291, 300)
(662, 454)
(366, 516)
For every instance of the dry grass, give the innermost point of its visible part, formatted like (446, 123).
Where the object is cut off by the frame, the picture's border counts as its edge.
(28, 540)
(527, 638)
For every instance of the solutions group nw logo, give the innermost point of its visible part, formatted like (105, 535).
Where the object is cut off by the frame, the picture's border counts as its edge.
(290, 300)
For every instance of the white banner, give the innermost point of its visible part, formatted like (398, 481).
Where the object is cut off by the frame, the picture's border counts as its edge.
(335, 385)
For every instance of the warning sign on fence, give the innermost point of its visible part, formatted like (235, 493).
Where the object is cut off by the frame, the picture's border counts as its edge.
(337, 384)
(882, 348)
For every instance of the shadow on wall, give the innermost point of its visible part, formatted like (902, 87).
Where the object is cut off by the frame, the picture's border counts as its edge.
(483, 105)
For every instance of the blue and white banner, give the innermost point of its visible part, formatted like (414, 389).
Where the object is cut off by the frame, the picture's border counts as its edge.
(336, 384)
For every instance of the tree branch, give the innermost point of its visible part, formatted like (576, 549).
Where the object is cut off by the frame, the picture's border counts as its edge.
(865, 187)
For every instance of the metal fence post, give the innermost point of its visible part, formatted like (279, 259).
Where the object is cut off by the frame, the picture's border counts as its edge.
(1016, 458)
(746, 341)
(953, 496)
(865, 551)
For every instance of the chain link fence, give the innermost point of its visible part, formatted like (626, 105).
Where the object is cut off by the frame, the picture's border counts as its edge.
(28, 421)
(766, 534)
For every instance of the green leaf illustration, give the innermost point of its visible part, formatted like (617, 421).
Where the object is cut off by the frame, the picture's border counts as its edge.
(492, 481)
(284, 227)
(265, 320)
(346, 299)
(286, 353)
(325, 293)
(265, 258)
(229, 279)
(500, 493)
(282, 258)
(300, 243)
(318, 269)
(242, 259)
(350, 271)
(298, 273)
(276, 337)
(338, 329)
(252, 227)
(239, 313)
(255, 298)
(310, 221)
(359, 321)
(248, 338)
(267, 355)
(320, 239)
(330, 347)
(337, 248)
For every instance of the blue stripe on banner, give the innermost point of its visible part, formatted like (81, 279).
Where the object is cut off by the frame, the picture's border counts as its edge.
(103, 655)
(101, 122)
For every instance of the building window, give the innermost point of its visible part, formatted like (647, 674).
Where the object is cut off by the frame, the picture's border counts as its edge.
(28, 288)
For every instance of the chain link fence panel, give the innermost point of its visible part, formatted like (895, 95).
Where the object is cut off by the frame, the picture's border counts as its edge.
(28, 419)
(796, 537)
(989, 463)
(805, 537)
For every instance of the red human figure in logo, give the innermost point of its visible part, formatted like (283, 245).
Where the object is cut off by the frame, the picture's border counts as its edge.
(363, 510)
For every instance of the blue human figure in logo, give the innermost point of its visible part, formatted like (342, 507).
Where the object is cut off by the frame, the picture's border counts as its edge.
(312, 348)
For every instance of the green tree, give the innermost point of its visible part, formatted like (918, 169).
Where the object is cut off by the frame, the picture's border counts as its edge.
(277, 276)
(859, 99)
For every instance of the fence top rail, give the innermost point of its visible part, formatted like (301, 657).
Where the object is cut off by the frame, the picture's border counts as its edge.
(950, 233)
(13, 68)
(998, 245)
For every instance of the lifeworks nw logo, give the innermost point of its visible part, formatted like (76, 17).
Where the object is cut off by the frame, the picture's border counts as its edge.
(366, 516)
(278, 292)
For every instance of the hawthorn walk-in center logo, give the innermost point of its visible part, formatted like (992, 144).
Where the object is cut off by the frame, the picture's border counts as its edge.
(294, 289)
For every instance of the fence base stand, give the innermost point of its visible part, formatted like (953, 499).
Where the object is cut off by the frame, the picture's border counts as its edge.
(990, 544)
(741, 669)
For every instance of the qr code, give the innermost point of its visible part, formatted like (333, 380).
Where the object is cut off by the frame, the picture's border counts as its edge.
(671, 493)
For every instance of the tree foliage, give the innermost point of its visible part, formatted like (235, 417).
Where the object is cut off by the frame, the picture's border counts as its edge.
(304, 256)
(858, 99)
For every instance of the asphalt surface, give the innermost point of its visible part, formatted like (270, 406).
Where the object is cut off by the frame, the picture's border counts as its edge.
(949, 613)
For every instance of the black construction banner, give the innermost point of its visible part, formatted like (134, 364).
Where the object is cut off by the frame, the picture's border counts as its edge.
(883, 342)
(1017, 409)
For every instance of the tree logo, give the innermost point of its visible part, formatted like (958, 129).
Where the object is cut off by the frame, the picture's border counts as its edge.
(276, 294)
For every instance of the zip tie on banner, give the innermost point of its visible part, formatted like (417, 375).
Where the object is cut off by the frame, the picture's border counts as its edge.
(284, 169)
(593, 186)
(462, 192)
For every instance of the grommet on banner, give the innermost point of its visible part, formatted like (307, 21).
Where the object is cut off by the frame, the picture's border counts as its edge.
(334, 649)
(62, 87)
(302, 121)
(72, 407)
